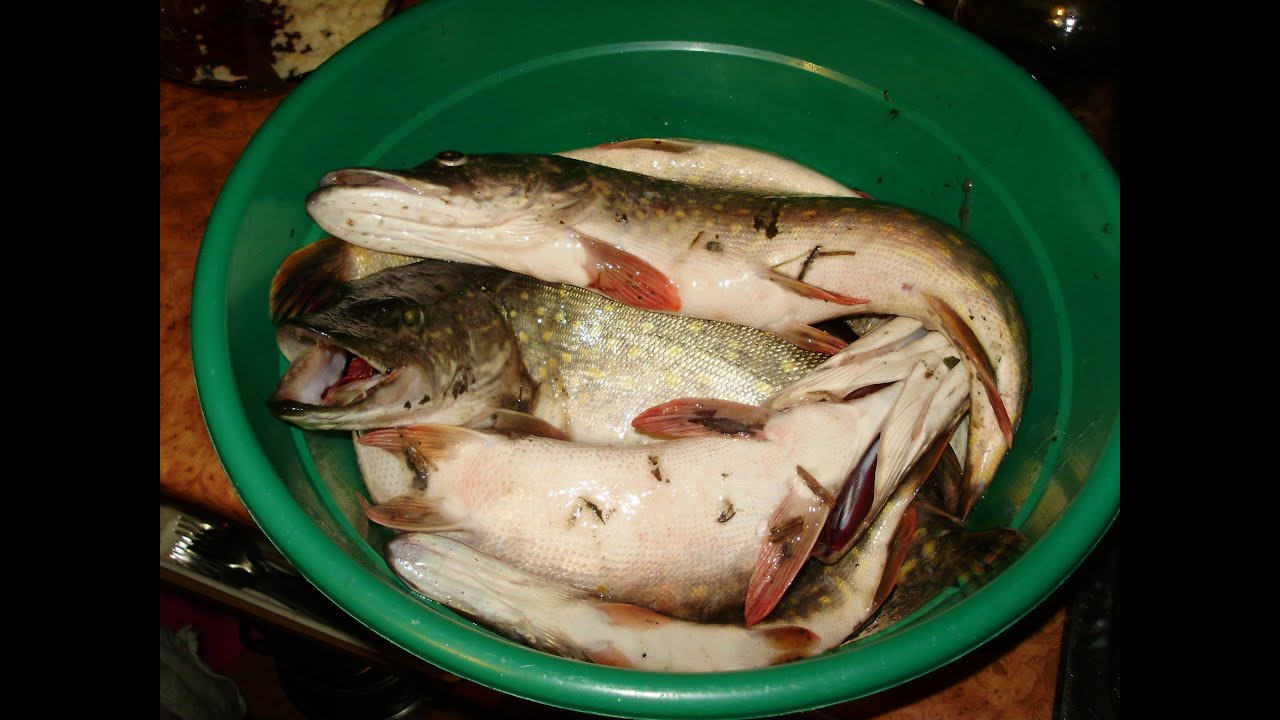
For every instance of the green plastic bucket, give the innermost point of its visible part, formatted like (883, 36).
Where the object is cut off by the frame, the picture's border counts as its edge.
(883, 96)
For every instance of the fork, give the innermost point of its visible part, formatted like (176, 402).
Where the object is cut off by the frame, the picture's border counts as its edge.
(198, 542)
(225, 554)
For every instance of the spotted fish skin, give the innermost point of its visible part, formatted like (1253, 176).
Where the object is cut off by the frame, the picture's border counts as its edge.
(769, 261)
(574, 358)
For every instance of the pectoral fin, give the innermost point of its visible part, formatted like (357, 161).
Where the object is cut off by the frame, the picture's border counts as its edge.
(808, 337)
(438, 442)
(702, 417)
(514, 421)
(628, 279)
(801, 287)
(898, 547)
(793, 530)
(411, 514)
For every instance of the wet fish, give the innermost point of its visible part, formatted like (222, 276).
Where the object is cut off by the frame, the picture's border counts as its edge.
(745, 369)
(941, 553)
(450, 343)
(825, 606)
(780, 263)
(717, 521)
(712, 164)
(695, 162)
(933, 550)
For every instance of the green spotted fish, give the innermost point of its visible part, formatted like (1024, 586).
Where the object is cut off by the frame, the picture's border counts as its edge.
(775, 262)
(451, 343)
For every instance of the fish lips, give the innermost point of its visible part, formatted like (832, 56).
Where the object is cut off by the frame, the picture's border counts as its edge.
(318, 390)
(366, 205)
(374, 179)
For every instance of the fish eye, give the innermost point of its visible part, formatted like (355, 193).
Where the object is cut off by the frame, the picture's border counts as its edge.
(451, 158)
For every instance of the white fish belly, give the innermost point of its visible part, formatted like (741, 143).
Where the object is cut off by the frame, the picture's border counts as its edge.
(676, 526)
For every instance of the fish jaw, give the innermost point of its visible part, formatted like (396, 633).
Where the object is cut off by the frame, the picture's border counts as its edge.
(312, 395)
(482, 210)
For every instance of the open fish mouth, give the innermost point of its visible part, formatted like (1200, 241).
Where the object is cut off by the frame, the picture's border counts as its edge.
(331, 386)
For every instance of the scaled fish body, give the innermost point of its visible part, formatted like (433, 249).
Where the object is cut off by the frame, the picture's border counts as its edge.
(775, 262)
(824, 606)
(689, 527)
(676, 526)
(681, 359)
(449, 343)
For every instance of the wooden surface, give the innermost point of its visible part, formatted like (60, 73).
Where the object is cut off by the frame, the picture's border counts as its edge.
(201, 137)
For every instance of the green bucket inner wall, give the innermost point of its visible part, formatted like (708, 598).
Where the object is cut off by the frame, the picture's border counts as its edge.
(883, 96)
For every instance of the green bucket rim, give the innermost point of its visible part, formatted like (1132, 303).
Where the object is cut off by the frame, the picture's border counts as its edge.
(459, 647)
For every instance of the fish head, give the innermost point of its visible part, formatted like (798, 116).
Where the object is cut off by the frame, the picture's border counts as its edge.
(408, 344)
(450, 202)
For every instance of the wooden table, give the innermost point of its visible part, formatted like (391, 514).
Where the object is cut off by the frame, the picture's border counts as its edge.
(201, 137)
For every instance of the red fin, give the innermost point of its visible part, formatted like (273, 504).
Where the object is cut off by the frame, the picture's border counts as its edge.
(434, 441)
(513, 421)
(410, 514)
(898, 548)
(609, 655)
(662, 144)
(628, 279)
(701, 417)
(808, 337)
(801, 287)
(963, 336)
(793, 530)
(632, 616)
(792, 642)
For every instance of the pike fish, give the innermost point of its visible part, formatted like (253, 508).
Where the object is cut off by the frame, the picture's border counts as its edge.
(827, 604)
(450, 343)
(716, 521)
(775, 262)
(711, 164)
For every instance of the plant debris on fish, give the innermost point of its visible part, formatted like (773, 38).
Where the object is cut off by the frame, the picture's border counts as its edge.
(884, 554)
(651, 525)
(780, 263)
(825, 606)
(444, 342)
